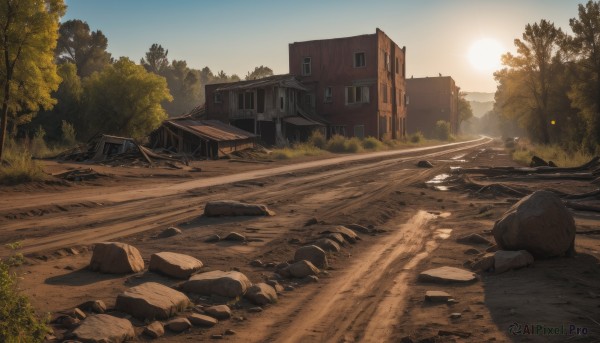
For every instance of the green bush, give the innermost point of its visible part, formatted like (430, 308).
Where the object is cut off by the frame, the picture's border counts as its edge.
(353, 145)
(417, 137)
(18, 321)
(19, 168)
(372, 143)
(336, 143)
(68, 133)
(317, 139)
(442, 131)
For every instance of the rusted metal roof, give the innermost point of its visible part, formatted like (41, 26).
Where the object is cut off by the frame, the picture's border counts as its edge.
(285, 80)
(213, 130)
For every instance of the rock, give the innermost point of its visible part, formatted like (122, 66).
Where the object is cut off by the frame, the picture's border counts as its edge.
(273, 283)
(359, 228)
(424, 164)
(151, 301)
(437, 296)
(310, 279)
(212, 239)
(493, 248)
(312, 253)
(103, 328)
(70, 322)
(235, 208)
(455, 315)
(447, 274)
(98, 306)
(202, 320)
(179, 266)
(261, 294)
(178, 324)
(219, 311)
(255, 309)
(327, 244)
(507, 260)
(216, 336)
(235, 237)
(230, 332)
(154, 329)
(289, 288)
(537, 162)
(483, 264)
(336, 237)
(302, 269)
(472, 251)
(230, 284)
(539, 223)
(348, 234)
(79, 314)
(116, 258)
(256, 263)
(473, 238)
(552, 164)
(311, 221)
(169, 232)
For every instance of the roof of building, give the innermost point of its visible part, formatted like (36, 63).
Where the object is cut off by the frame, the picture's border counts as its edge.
(213, 130)
(284, 80)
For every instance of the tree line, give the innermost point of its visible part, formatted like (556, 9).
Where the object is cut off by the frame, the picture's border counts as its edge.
(59, 77)
(551, 85)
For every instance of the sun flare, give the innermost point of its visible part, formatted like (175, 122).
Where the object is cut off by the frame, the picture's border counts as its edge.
(484, 54)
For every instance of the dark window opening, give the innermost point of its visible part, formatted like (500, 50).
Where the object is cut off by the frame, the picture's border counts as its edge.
(359, 59)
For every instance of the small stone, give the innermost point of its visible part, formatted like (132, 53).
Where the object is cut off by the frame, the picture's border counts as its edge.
(455, 315)
(452, 301)
(256, 263)
(216, 336)
(212, 239)
(289, 288)
(70, 322)
(79, 314)
(424, 164)
(270, 265)
(255, 309)
(311, 221)
(437, 296)
(447, 274)
(178, 324)
(234, 236)
(311, 279)
(472, 251)
(154, 330)
(169, 232)
(98, 306)
(202, 320)
(70, 267)
(219, 311)
(230, 332)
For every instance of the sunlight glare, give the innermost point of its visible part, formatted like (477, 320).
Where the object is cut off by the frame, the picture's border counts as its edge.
(484, 54)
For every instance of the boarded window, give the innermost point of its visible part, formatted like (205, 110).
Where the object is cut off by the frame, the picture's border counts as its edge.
(328, 94)
(359, 60)
(357, 94)
(306, 67)
(384, 93)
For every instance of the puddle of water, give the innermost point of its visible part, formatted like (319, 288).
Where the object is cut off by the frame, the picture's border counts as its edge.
(442, 233)
(451, 161)
(439, 178)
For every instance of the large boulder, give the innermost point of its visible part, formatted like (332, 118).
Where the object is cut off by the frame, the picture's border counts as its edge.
(348, 234)
(507, 260)
(235, 208)
(151, 301)
(312, 253)
(301, 269)
(102, 328)
(261, 294)
(539, 223)
(116, 258)
(227, 284)
(175, 265)
(327, 244)
(220, 312)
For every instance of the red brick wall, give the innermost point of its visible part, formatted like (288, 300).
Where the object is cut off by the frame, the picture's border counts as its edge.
(432, 99)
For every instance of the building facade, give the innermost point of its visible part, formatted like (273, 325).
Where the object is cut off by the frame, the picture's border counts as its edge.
(432, 99)
(357, 84)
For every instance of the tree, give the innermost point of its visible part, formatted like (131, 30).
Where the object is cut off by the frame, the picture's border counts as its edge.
(259, 73)
(532, 73)
(156, 59)
(465, 112)
(28, 34)
(125, 99)
(185, 87)
(585, 47)
(86, 49)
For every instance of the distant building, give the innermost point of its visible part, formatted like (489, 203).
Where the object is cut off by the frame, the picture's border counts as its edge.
(356, 83)
(432, 99)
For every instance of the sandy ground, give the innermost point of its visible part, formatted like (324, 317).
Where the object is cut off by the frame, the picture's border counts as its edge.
(371, 292)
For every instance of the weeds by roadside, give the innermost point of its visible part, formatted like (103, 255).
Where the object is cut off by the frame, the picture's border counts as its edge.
(524, 151)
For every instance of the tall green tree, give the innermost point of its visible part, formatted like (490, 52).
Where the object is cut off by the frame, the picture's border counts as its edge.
(465, 112)
(156, 60)
(259, 73)
(585, 47)
(28, 34)
(531, 73)
(85, 48)
(125, 99)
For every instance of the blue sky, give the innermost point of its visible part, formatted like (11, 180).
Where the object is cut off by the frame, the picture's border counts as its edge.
(236, 36)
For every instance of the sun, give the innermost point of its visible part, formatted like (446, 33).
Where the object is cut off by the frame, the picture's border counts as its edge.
(484, 54)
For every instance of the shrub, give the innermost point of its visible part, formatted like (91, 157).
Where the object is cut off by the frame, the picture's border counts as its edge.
(317, 139)
(372, 143)
(353, 145)
(18, 321)
(417, 137)
(336, 143)
(441, 130)
(20, 168)
(300, 149)
(68, 133)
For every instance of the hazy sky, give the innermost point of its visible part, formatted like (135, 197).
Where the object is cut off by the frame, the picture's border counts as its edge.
(236, 36)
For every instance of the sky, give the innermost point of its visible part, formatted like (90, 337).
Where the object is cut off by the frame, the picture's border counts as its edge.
(236, 35)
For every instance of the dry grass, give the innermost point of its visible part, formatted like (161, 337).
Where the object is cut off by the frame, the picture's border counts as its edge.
(18, 165)
(524, 151)
(298, 150)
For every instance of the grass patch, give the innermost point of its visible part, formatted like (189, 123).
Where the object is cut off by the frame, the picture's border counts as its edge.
(341, 144)
(372, 143)
(524, 151)
(18, 167)
(298, 150)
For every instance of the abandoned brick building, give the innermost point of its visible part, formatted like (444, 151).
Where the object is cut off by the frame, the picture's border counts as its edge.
(353, 86)
(432, 99)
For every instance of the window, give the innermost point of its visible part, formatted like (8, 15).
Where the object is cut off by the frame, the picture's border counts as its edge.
(218, 98)
(359, 131)
(281, 103)
(306, 70)
(240, 101)
(386, 60)
(406, 99)
(249, 103)
(309, 100)
(397, 65)
(359, 59)
(338, 130)
(328, 95)
(357, 94)
(384, 93)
